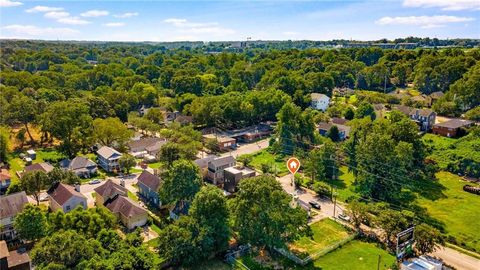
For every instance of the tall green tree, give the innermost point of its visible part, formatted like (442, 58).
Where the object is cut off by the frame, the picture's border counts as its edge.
(30, 224)
(4, 143)
(127, 162)
(181, 182)
(262, 215)
(427, 238)
(22, 109)
(34, 182)
(111, 130)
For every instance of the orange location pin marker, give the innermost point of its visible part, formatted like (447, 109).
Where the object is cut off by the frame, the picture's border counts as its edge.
(293, 164)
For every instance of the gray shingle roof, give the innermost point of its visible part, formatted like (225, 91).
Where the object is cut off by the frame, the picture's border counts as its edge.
(150, 180)
(12, 204)
(455, 123)
(107, 152)
(222, 161)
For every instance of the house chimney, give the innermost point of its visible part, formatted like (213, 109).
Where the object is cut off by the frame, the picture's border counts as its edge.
(77, 187)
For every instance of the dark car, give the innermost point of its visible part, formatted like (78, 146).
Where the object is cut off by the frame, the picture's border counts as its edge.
(315, 205)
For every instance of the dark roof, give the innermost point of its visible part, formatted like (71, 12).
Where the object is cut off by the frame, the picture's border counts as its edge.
(155, 147)
(61, 193)
(203, 162)
(124, 206)
(150, 180)
(337, 120)
(421, 112)
(222, 161)
(110, 189)
(455, 123)
(42, 166)
(324, 126)
(142, 144)
(12, 204)
(404, 109)
(106, 152)
(77, 163)
(17, 258)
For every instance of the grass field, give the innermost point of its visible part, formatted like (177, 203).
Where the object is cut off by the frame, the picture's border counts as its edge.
(354, 255)
(344, 184)
(457, 210)
(447, 150)
(324, 234)
(276, 162)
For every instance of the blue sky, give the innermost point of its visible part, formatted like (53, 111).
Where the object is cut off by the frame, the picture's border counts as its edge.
(237, 20)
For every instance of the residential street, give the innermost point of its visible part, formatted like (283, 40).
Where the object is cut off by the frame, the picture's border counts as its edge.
(248, 148)
(457, 259)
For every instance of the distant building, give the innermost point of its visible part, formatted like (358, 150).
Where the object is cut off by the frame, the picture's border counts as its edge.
(81, 166)
(129, 212)
(319, 101)
(425, 118)
(233, 176)
(108, 158)
(5, 180)
(42, 166)
(145, 146)
(343, 131)
(422, 263)
(65, 197)
(202, 163)
(148, 185)
(108, 191)
(10, 206)
(250, 133)
(224, 143)
(452, 128)
(216, 168)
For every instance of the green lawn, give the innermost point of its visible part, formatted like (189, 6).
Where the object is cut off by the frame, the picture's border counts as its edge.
(133, 196)
(354, 255)
(344, 184)
(213, 264)
(276, 162)
(324, 234)
(458, 210)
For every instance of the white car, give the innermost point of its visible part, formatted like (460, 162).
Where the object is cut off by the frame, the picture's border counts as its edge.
(43, 197)
(94, 181)
(344, 217)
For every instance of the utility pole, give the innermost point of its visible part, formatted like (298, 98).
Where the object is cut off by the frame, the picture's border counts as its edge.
(379, 260)
(334, 205)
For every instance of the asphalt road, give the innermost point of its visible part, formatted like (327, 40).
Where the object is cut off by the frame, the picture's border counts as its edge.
(248, 148)
(457, 259)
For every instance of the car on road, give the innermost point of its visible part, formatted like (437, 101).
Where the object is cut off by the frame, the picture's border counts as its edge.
(344, 217)
(43, 198)
(94, 182)
(315, 204)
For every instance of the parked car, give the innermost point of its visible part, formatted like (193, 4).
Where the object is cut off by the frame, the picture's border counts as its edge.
(315, 204)
(344, 217)
(43, 197)
(94, 182)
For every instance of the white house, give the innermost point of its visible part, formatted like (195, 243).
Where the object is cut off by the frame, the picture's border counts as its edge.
(319, 101)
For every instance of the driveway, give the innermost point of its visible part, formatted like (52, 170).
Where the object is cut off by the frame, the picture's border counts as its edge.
(87, 190)
(248, 148)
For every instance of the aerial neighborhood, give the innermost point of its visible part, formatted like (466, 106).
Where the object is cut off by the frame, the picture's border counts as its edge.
(253, 154)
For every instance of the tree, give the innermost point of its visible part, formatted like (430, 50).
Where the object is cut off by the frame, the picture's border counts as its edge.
(358, 211)
(393, 222)
(110, 130)
(34, 182)
(59, 175)
(181, 182)
(30, 224)
(427, 238)
(294, 129)
(127, 162)
(321, 163)
(364, 110)
(4, 143)
(349, 113)
(209, 209)
(169, 153)
(334, 134)
(262, 215)
(66, 248)
(22, 109)
(176, 243)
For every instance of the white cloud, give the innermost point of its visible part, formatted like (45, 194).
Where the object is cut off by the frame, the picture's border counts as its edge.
(9, 3)
(444, 4)
(126, 15)
(37, 9)
(34, 31)
(56, 14)
(114, 24)
(187, 27)
(95, 13)
(290, 33)
(423, 21)
(72, 21)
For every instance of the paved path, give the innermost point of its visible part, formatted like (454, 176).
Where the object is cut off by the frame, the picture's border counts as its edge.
(248, 148)
(457, 259)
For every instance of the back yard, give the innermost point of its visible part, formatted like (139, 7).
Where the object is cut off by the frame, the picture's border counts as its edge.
(276, 163)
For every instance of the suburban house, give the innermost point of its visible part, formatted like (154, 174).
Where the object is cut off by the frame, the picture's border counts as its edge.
(129, 212)
(433, 97)
(233, 175)
(202, 163)
(42, 166)
(337, 120)
(5, 180)
(65, 197)
(319, 101)
(108, 191)
(10, 206)
(216, 168)
(452, 128)
(250, 133)
(224, 143)
(148, 185)
(108, 159)
(343, 131)
(425, 118)
(145, 146)
(81, 166)
(184, 119)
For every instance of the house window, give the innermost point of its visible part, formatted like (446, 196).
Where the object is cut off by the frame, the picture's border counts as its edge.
(67, 208)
